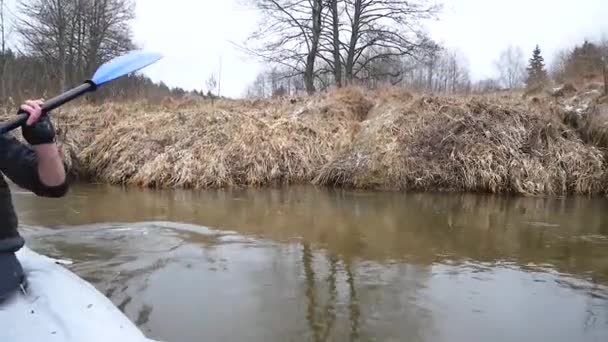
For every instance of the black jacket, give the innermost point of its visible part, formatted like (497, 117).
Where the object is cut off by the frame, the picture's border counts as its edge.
(18, 162)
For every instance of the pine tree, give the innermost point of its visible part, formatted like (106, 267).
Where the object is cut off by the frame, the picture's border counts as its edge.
(537, 74)
(585, 61)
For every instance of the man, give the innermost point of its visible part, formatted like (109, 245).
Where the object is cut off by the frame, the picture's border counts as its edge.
(37, 167)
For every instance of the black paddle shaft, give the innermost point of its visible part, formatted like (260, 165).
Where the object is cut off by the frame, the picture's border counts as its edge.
(49, 105)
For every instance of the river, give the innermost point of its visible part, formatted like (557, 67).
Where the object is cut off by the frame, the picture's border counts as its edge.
(308, 264)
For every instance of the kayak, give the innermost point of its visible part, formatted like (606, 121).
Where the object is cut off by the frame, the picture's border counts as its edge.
(57, 305)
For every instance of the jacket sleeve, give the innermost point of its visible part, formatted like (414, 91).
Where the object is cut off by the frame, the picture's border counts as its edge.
(20, 164)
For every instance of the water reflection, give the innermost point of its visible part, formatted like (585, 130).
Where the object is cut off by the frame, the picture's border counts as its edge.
(304, 264)
(206, 283)
(570, 234)
(310, 290)
(354, 311)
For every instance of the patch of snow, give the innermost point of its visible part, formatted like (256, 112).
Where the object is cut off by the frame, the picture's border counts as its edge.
(593, 92)
(582, 109)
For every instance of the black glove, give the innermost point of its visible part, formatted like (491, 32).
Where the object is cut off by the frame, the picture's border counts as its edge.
(41, 132)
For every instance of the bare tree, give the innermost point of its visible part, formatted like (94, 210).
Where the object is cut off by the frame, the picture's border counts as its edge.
(457, 72)
(430, 58)
(511, 66)
(604, 47)
(380, 71)
(211, 85)
(258, 88)
(108, 26)
(219, 81)
(486, 86)
(440, 70)
(289, 35)
(345, 39)
(335, 39)
(605, 75)
(278, 81)
(3, 25)
(63, 42)
(74, 37)
(4, 63)
(423, 69)
(560, 64)
(380, 29)
(44, 31)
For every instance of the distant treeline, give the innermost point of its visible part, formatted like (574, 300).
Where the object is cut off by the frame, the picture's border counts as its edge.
(57, 44)
(314, 45)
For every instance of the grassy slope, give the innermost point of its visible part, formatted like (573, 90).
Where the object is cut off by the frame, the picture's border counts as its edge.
(384, 140)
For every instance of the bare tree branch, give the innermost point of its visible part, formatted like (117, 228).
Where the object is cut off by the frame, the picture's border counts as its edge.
(512, 67)
(392, 25)
(289, 34)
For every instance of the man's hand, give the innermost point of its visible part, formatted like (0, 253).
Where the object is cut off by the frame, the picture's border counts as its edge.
(40, 133)
(38, 129)
(33, 108)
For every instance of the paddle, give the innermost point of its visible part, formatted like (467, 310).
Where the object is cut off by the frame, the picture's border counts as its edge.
(113, 69)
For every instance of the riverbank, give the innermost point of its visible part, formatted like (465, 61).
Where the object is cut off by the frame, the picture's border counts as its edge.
(502, 143)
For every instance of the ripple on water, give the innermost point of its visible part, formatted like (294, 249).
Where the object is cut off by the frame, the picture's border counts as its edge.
(190, 283)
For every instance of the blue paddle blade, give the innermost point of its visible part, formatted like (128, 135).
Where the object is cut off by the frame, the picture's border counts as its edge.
(124, 65)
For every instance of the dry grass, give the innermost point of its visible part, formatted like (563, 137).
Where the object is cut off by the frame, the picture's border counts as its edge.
(389, 139)
(476, 144)
(197, 145)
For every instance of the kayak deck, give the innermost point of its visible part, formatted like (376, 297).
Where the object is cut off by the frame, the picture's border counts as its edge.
(60, 306)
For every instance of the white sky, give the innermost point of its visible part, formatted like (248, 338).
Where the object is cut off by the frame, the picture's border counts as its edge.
(482, 28)
(194, 34)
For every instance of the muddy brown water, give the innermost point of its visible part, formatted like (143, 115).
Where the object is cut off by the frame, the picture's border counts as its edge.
(306, 264)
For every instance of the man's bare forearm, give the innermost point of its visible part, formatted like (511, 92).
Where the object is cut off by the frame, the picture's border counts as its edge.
(50, 165)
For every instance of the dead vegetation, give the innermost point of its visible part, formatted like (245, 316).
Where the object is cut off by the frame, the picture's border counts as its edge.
(390, 139)
(197, 145)
(474, 144)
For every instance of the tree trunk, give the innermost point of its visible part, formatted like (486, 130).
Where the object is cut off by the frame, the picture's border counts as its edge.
(61, 47)
(311, 290)
(309, 73)
(429, 77)
(3, 27)
(336, 43)
(605, 77)
(4, 62)
(354, 37)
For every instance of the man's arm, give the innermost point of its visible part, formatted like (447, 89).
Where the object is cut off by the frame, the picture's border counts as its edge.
(38, 169)
(51, 169)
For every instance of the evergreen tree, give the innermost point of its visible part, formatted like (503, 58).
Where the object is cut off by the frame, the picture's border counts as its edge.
(585, 61)
(536, 69)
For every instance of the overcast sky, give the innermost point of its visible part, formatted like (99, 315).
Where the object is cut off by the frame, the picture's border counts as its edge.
(194, 35)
